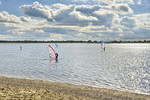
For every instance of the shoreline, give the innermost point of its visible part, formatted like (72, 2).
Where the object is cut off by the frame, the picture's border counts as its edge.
(15, 88)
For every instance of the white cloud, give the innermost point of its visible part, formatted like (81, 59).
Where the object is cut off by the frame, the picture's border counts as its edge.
(105, 17)
(25, 19)
(120, 8)
(81, 17)
(16, 31)
(38, 10)
(6, 36)
(121, 35)
(125, 1)
(71, 16)
(114, 1)
(104, 1)
(142, 17)
(5, 17)
(139, 2)
(55, 36)
(108, 2)
(128, 22)
(84, 1)
(143, 2)
(87, 9)
(17, 25)
(60, 6)
(39, 31)
(143, 20)
(81, 35)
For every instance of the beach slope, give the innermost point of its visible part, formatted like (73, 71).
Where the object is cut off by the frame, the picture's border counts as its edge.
(13, 88)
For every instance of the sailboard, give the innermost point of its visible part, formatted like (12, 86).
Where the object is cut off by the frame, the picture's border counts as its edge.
(102, 45)
(20, 47)
(56, 44)
(51, 52)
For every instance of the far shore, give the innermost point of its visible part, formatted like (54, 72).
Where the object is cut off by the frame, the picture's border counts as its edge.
(14, 88)
(72, 41)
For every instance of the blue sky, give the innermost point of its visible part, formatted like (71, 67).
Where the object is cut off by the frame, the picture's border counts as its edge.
(106, 20)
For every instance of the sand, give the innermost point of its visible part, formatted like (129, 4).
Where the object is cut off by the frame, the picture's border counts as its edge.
(18, 89)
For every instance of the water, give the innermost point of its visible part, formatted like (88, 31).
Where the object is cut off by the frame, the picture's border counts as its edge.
(120, 66)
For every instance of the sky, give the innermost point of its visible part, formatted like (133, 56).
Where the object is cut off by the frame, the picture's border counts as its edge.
(45, 20)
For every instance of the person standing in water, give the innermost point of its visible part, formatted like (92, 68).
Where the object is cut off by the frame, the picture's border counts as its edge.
(20, 47)
(56, 54)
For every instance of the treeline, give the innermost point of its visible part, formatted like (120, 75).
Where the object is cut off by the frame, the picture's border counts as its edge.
(31, 41)
(68, 41)
(144, 41)
(72, 41)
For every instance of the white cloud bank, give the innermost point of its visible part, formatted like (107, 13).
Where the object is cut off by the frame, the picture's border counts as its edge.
(77, 15)
(74, 22)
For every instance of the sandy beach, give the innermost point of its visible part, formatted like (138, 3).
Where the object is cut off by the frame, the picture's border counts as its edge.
(13, 88)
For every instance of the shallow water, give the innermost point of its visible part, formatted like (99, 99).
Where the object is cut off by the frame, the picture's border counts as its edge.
(120, 66)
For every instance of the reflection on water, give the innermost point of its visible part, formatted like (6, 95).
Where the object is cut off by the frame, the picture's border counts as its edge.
(53, 63)
(120, 66)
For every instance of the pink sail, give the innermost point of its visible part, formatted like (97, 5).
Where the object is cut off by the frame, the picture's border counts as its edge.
(51, 52)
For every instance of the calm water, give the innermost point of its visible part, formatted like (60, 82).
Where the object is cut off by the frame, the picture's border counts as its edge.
(120, 66)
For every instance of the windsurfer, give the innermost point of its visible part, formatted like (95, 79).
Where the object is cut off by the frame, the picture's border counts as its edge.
(20, 47)
(56, 54)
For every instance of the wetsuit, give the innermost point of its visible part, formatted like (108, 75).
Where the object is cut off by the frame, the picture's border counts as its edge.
(56, 55)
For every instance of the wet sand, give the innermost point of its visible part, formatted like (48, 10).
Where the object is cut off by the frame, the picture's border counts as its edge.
(13, 88)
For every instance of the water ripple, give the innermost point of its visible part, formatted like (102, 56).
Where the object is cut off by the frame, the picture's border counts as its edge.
(120, 66)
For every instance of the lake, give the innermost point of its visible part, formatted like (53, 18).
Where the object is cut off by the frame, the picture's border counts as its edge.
(120, 66)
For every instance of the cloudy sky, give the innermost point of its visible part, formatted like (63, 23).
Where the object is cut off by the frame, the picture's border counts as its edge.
(75, 20)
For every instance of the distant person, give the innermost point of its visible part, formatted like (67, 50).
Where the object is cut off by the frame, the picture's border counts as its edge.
(56, 54)
(20, 47)
(104, 48)
(56, 44)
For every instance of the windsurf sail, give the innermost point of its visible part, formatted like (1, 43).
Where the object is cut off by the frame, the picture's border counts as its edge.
(51, 52)
(102, 45)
